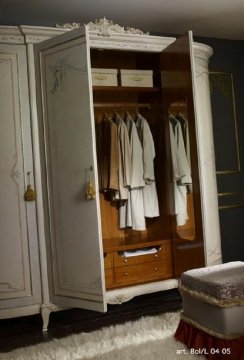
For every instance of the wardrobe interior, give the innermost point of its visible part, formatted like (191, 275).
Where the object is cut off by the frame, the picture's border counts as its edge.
(182, 246)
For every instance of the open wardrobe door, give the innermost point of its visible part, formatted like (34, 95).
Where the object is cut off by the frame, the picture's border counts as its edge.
(69, 176)
(177, 78)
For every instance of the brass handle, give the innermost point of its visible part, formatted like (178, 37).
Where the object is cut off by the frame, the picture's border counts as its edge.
(156, 269)
(100, 77)
(30, 194)
(156, 255)
(125, 260)
(136, 78)
(126, 274)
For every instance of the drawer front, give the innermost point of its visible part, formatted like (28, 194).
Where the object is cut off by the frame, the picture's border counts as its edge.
(163, 253)
(108, 260)
(143, 272)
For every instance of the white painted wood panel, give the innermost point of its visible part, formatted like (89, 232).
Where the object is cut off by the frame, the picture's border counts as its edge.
(19, 261)
(73, 223)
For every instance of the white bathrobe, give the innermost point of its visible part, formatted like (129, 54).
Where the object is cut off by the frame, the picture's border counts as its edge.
(181, 175)
(132, 213)
(150, 198)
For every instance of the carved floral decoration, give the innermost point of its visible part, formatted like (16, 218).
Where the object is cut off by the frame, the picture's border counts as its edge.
(105, 27)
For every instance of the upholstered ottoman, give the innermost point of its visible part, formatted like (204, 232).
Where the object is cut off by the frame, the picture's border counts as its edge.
(212, 321)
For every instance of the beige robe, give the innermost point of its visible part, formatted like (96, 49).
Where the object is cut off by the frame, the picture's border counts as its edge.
(150, 198)
(181, 174)
(132, 213)
(124, 153)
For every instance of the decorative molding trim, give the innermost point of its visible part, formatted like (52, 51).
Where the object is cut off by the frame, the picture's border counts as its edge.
(19, 311)
(231, 193)
(224, 207)
(36, 34)
(105, 27)
(70, 26)
(224, 83)
(103, 33)
(11, 35)
(7, 287)
(118, 296)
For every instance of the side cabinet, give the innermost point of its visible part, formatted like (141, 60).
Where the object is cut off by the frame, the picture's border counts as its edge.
(20, 289)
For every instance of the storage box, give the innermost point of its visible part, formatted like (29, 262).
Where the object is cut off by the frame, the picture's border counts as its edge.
(137, 78)
(104, 77)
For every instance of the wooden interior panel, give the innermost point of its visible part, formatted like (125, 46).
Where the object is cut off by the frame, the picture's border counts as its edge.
(158, 229)
(173, 69)
(108, 260)
(109, 278)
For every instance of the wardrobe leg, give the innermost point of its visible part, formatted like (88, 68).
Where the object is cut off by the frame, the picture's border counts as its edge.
(45, 312)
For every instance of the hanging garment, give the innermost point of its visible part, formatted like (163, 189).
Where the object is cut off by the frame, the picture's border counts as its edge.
(107, 153)
(185, 133)
(124, 154)
(132, 213)
(150, 198)
(181, 176)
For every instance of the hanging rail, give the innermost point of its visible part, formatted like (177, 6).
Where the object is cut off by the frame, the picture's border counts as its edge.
(122, 105)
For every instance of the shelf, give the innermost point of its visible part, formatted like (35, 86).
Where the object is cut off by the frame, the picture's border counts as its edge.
(126, 89)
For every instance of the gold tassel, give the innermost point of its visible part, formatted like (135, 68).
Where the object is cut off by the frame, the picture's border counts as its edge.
(90, 190)
(30, 194)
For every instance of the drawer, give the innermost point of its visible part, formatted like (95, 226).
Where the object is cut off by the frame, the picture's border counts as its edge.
(104, 77)
(108, 260)
(137, 78)
(109, 277)
(163, 253)
(141, 273)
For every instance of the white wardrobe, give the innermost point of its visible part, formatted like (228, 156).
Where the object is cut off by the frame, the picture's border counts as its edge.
(61, 249)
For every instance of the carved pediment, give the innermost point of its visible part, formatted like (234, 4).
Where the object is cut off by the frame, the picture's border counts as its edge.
(105, 27)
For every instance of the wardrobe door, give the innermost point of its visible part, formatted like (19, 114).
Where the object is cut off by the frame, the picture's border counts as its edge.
(177, 74)
(67, 134)
(19, 259)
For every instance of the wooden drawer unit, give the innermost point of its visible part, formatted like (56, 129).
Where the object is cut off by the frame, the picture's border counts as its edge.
(108, 260)
(109, 277)
(141, 273)
(163, 253)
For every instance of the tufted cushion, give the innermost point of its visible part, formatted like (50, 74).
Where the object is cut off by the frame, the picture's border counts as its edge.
(225, 281)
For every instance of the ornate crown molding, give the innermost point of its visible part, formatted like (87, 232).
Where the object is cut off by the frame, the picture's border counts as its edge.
(70, 26)
(105, 27)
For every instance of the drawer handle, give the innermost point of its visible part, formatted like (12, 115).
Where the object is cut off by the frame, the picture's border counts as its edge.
(156, 268)
(126, 274)
(100, 77)
(125, 260)
(136, 78)
(156, 255)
